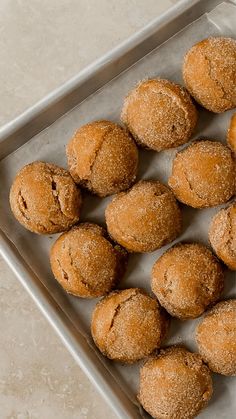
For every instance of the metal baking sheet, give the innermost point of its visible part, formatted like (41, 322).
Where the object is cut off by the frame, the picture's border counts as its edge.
(98, 93)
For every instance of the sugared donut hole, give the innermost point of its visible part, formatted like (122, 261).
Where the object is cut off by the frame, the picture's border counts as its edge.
(103, 158)
(203, 174)
(85, 261)
(144, 218)
(44, 198)
(159, 114)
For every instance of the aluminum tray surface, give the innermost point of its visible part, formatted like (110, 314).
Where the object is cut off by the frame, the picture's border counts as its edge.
(71, 316)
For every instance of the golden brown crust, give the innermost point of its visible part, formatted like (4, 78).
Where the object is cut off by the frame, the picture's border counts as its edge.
(216, 338)
(159, 114)
(128, 325)
(222, 235)
(231, 134)
(86, 263)
(209, 72)
(203, 174)
(186, 279)
(103, 158)
(144, 218)
(176, 384)
(44, 198)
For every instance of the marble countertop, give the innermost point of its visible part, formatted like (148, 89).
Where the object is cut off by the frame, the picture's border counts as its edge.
(42, 44)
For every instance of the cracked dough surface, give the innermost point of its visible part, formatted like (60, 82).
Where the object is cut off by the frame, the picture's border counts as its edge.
(86, 263)
(103, 158)
(159, 114)
(203, 174)
(44, 198)
(186, 279)
(128, 325)
(144, 218)
(209, 73)
(216, 338)
(176, 384)
(222, 235)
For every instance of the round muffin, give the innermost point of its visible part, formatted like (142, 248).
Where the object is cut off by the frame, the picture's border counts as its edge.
(176, 384)
(159, 114)
(128, 325)
(203, 174)
(187, 279)
(103, 158)
(231, 134)
(209, 73)
(86, 263)
(216, 338)
(44, 198)
(222, 235)
(144, 218)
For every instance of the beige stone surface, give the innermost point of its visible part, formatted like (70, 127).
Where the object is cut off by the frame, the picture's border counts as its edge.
(38, 377)
(42, 44)
(45, 42)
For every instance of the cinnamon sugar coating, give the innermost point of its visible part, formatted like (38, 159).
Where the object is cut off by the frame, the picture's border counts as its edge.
(186, 279)
(128, 325)
(209, 72)
(222, 235)
(86, 263)
(175, 384)
(159, 114)
(203, 174)
(144, 218)
(103, 158)
(216, 338)
(44, 198)
(231, 133)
